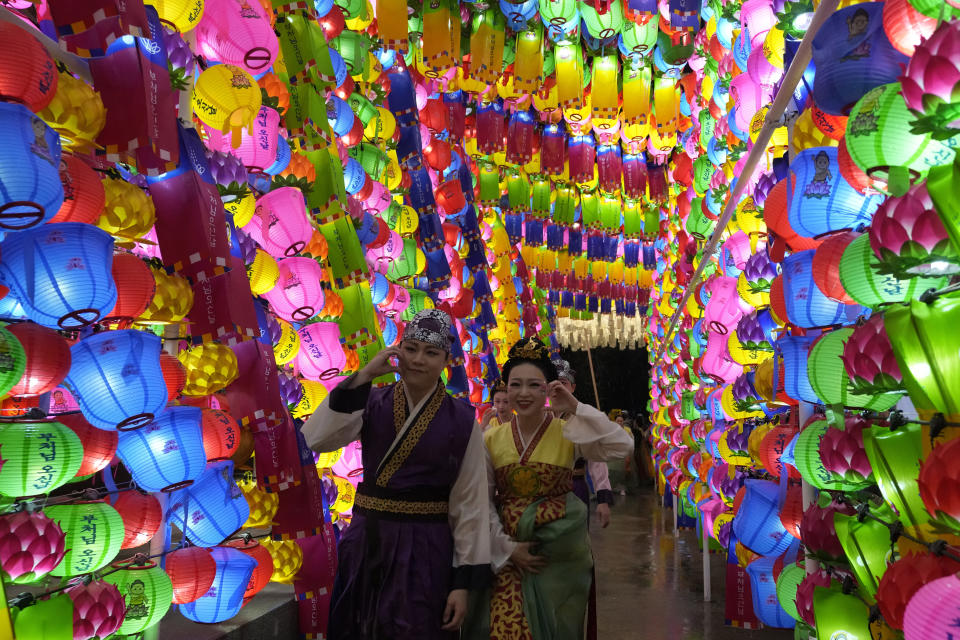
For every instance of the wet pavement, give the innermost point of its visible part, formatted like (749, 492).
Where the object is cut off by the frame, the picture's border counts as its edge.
(650, 581)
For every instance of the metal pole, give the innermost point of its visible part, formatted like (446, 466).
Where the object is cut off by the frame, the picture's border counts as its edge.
(807, 491)
(593, 378)
(771, 122)
(706, 561)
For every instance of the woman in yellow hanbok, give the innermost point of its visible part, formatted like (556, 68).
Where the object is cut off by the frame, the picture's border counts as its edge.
(540, 548)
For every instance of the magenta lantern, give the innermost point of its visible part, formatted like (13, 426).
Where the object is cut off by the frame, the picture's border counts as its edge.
(257, 151)
(279, 223)
(298, 294)
(237, 32)
(320, 356)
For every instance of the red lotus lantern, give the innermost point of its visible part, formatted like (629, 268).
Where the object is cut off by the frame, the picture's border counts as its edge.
(938, 482)
(83, 194)
(843, 454)
(192, 571)
(48, 359)
(29, 75)
(142, 516)
(98, 610)
(819, 533)
(221, 434)
(264, 569)
(99, 446)
(31, 545)
(904, 578)
(136, 286)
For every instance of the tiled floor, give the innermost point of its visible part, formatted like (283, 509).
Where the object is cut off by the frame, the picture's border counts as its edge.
(650, 582)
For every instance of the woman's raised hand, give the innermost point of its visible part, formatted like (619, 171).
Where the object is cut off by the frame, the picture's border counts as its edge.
(560, 398)
(526, 561)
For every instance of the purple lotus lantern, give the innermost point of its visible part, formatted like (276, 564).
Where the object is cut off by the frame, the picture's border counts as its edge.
(745, 396)
(226, 169)
(869, 360)
(754, 331)
(760, 271)
(909, 238)
(843, 454)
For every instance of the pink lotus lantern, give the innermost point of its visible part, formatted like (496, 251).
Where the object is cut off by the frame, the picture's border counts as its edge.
(98, 610)
(804, 597)
(279, 224)
(31, 545)
(929, 86)
(298, 295)
(927, 616)
(257, 151)
(321, 355)
(938, 482)
(908, 237)
(819, 533)
(844, 455)
(869, 360)
(237, 32)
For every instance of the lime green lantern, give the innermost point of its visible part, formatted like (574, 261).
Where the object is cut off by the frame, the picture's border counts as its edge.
(895, 456)
(37, 457)
(698, 224)
(807, 456)
(148, 593)
(862, 281)
(839, 615)
(418, 302)
(925, 343)
(867, 547)
(602, 26)
(790, 578)
(409, 263)
(829, 378)
(94, 533)
(13, 361)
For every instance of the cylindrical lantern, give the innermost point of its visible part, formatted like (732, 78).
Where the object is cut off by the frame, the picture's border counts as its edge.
(47, 357)
(226, 98)
(167, 453)
(148, 593)
(99, 445)
(806, 305)
(279, 224)
(31, 545)
(174, 375)
(116, 378)
(60, 273)
(38, 457)
(30, 77)
(225, 596)
(210, 367)
(757, 524)
(221, 434)
(862, 280)
(211, 509)
(142, 516)
(321, 356)
(298, 295)
(30, 189)
(237, 33)
(94, 533)
(13, 360)
(83, 195)
(191, 571)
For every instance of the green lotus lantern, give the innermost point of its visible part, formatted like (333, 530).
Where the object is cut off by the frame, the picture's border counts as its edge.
(829, 378)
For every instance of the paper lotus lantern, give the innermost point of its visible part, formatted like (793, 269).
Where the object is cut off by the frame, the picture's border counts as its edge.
(852, 55)
(819, 533)
(167, 453)
(147, 591)
(31, 76)
(76, 113)
(191, 571)
(212, 508)
(210, 367)
(806, 305)
(937, 484)
(83, 194)
(221, 434)
(172, 301)
(31, 545)
(321, 355)
(930, 81)
(227, 98)
(128, 212)
(924, 342)
(142, 516)
(99, 445)
(98, 609)
(94, 533)
(30, 189)
(287, 559)
(262, 505)
(298, 295)
(823, 201)
(757, 523)
(924, 616)
(861, 278)
(225, 596)
(804, 595)
(830, 381)
(38, 457)
(262, 571)
(60, 273)
(116, 378)
(904, 578)
(869, 360)
(844, 455)
(909, 239)
(881, 143)
(279, 224)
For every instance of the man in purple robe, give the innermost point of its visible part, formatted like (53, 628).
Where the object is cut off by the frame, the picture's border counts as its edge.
(419, 539)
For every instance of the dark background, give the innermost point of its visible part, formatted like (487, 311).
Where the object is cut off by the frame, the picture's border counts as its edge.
(621, 378)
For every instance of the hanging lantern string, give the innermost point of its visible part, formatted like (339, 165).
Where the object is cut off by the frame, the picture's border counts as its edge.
(897, 530)
(937, 423)
(930, 295)
(23, 600)
(89, 494)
